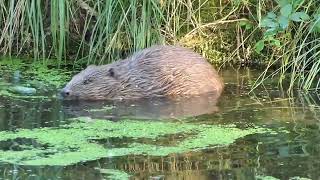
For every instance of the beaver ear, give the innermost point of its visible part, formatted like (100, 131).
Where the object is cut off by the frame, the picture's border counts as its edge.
(111, 72)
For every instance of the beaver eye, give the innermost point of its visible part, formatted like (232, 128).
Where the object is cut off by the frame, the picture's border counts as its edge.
(87, 81)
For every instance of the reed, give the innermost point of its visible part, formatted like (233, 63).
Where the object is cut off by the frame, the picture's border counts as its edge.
(96, 31)
(226, 32)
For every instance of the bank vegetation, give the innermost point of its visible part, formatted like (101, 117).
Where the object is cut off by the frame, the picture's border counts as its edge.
(281, 37)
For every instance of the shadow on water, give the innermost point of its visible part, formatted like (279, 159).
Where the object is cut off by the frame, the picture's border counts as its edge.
(284, 155)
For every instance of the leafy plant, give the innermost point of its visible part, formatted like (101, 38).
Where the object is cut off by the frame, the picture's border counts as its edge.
(294, 48)
(277, 23)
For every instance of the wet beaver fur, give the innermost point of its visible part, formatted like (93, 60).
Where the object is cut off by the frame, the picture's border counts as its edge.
(158, 71)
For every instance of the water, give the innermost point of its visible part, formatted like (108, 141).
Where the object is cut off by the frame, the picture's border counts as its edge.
(291, 153)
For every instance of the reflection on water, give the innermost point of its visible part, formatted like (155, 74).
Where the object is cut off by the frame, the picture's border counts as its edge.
(156, 108)
(283, 156)
(30, 113)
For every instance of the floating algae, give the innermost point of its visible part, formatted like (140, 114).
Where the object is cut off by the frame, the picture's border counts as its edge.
(78, 141)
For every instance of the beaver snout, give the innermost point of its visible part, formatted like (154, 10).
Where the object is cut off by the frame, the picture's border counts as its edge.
(65, 92)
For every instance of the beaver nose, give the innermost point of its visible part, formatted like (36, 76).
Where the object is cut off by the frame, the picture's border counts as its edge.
(65, 92)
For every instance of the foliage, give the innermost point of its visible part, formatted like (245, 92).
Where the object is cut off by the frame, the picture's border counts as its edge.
(279, 23)
(292, 36)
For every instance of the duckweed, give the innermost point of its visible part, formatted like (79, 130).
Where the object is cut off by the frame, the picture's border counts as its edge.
(79, 141)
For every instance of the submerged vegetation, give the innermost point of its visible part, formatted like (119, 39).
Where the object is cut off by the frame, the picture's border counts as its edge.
(280, 34)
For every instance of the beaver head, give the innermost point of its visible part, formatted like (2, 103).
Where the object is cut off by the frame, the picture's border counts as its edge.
(94, 82)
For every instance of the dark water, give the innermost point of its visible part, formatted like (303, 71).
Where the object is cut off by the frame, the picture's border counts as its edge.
(283, 156)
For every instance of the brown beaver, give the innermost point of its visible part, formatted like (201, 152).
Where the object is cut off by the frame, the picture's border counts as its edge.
(158, 71)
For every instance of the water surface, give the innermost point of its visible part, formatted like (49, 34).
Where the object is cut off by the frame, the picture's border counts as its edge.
(291, 152)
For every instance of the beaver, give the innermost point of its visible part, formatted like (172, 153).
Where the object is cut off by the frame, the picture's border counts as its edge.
(157, 71)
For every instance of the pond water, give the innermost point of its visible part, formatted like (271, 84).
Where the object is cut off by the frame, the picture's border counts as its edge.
(267, 135)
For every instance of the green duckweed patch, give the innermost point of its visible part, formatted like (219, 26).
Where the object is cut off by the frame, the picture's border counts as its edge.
(30, 80)
(35, 72)
(78, 141)
(11, 64)
(50, 76)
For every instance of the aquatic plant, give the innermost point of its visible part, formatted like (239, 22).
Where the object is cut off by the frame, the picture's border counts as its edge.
(22, 80)
(34, 73)
(83, 141)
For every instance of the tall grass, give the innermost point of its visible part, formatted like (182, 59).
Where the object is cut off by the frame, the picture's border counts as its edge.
(92, 31)
(227, 32)
(121, 26)
(25, 28)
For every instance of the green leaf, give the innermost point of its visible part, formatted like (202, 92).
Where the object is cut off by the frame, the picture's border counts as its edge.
(242, 23)
(269, 38)
(276, 42)
(316, 28)
(317, 17)
(271, 15)
(299, 16)
(316, 25)
(286, 10)
(284, 22)
(259, 46)
(282, 3)
(247, 24)
(270, 32)
(267, 22)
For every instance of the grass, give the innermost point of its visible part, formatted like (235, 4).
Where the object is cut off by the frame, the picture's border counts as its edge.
(295, 60)
(226, 32)
(99, 31)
